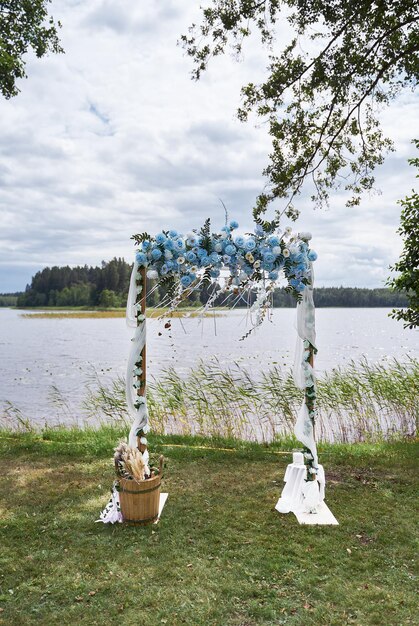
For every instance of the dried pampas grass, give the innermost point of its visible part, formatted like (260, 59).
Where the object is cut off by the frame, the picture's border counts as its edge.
(129, 462)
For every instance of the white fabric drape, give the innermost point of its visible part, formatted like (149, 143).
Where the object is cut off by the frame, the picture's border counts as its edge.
(139, 415)
(303, 373)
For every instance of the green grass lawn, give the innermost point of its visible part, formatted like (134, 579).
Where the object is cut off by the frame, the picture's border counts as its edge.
(221, 555)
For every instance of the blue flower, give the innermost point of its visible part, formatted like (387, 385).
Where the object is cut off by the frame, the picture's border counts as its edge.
(267, 266)
(205, 261)
(186, 280)
(312, 256)
(269, 257)
(145, 245)
(155, 254)
(249, 270)
(160, 238)
(169, 245)
(230, 249)
(173, 233)
(170, 265)
(297, 284)
(274, 241)
(259, 230)
(273, 275)
(214, 257)
(179, 245)
(239, 241)
(233, 224)
(226, 259)
(141, 258)
(250, 244)
(225, 229)
(215, 273)
(201, 253)
(190, 256)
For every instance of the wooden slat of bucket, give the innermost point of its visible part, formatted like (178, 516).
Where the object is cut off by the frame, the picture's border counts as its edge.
(140, 501)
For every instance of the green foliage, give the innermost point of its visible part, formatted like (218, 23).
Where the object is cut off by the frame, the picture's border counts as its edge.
(205, 233)
(408, 265)
(109, 299)
(220, 555)
(24, 25)
(8, 299)
(345, 297)
(343, 62)
(79, 286)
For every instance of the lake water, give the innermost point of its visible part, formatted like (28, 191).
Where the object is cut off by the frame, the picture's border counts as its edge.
(40, 354)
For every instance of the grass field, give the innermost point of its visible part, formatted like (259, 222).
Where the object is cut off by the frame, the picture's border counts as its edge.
(221, 555)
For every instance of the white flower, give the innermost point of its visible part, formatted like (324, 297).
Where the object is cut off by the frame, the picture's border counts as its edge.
(288, 230)
(256, 265)
(218, 247)
(276, 250)
(286, 253)
(152, 274)
(250, 257)
(305, 236)
(181, 260)
(312, 470)
(242, 276)
(143, 441)
(190, 235)
(194, 269)
(168, 255)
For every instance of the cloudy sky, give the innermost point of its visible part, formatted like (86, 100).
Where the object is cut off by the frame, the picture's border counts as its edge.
(113, 138)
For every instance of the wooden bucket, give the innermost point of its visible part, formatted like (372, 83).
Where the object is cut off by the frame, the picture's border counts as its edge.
(140, 500)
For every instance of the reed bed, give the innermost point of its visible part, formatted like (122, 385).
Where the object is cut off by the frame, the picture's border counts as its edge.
(361, 402)
(111, 313)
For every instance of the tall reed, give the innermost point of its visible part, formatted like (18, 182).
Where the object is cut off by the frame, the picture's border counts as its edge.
(362, 402)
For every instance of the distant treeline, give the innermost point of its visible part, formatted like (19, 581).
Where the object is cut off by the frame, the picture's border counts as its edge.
(9, 299)
(104, 286)
(107, 286)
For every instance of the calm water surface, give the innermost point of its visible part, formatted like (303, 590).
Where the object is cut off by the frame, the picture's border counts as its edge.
(38, 355)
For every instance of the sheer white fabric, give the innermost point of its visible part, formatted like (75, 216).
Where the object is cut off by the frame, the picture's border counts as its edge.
(139, 415)
(302, 371)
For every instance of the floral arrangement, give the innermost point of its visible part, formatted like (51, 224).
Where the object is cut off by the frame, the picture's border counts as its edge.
(240, 259)
(130, 463)
(237, 263)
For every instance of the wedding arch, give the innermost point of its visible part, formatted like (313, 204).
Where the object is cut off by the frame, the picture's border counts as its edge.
(233, 265)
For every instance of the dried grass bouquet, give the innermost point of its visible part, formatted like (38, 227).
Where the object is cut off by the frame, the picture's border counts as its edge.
(129, 463)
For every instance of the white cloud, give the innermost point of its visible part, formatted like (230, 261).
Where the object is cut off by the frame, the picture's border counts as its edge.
(114, 138)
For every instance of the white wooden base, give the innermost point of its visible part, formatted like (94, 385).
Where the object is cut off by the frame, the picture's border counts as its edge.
(323, 517)
(163, 500)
